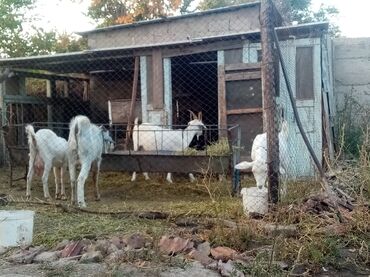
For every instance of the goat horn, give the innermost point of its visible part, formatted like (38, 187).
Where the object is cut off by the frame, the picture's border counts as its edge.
(200, 116)
(193, 114)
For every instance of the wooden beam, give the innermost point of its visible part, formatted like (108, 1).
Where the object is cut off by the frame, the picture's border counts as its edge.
(244, 111)
(50, 75)
(243, 76)
(20, 99)
(133, 101)
(157, 81)
(222, 116)
(243, 66)
(201, 48)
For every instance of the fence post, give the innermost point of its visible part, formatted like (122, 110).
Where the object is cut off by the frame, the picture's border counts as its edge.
(268, 95)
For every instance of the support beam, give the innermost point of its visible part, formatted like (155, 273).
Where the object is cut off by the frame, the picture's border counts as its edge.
(269, 93)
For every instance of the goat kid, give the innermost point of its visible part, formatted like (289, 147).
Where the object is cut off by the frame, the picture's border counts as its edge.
(47, 151)
(86, 143)
(156, 138)
(259, 156)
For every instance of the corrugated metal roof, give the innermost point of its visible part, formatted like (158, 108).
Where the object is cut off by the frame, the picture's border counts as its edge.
(170, 18)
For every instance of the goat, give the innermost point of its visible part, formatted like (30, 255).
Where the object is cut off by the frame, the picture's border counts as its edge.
(259, 156)
(153, 138)
(86, 143)
(47, 150)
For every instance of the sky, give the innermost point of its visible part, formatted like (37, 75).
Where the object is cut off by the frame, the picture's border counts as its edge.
(68, 16)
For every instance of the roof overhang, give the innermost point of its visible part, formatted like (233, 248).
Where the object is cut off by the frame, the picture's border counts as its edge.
(109, 58)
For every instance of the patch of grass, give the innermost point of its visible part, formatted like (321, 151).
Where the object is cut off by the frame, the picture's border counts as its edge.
(63, 271)
(261, 266)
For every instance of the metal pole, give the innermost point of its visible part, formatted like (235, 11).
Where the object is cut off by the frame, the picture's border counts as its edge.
(268, 92)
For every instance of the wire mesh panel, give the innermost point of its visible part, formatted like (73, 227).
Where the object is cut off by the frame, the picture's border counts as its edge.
(181, 84)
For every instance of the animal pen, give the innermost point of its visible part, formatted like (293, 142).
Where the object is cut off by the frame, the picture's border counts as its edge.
(223, 63)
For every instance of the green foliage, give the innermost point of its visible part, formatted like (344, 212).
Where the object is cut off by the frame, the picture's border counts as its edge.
(292, 10)
(111, 12)
(16, 41)
(301, 12)
(213, 4)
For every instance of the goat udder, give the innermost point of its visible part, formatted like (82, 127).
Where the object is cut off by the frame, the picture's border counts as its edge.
(38, 165)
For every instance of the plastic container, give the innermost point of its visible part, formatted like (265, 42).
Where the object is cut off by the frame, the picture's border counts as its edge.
(255, 200)
(16, 227)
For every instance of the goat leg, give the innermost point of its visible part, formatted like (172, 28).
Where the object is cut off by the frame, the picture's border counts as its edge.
(169, 178)
(45, 177)
(56, 177)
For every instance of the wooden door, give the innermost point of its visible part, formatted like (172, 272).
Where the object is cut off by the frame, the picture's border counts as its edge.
(241, 101)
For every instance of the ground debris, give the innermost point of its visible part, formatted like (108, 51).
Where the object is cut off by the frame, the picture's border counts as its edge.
(73, 248)
(323, 204)
(92, 257)
(200, 257)
(228, 269)
(223, 253)
(284, 230)
(47, 257)
(25, 256)
(174, 245)
(135, 241)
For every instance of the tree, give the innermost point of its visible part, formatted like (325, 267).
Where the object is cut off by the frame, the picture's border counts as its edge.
(299, 11)
(16, 41)
(111, 12)
(11, 19)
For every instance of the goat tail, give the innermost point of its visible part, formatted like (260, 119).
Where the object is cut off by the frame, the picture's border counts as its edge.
(77, 125)
(31, 137)
(244, 165)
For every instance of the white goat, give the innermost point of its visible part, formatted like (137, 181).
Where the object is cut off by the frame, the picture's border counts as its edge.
(156, 138)
(86, 144)
(259, 156)
(47, 150)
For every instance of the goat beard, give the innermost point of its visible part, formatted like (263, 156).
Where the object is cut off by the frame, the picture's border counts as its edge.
(38, 165)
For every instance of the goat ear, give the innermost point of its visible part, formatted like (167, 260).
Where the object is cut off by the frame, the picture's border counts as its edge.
(200, 116)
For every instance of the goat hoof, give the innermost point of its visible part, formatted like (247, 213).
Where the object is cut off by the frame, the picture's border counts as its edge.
(57, 196)
(28, 197)
(63, 197)
(97, 198)
(48, 199)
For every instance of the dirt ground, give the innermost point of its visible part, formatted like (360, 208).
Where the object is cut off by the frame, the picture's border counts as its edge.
(314, 249)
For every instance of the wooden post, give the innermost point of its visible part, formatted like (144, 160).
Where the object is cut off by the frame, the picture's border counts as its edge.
(133, 101)
(269, 92)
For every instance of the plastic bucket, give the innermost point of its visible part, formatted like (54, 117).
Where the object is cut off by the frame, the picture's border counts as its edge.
(16, 227)
(255, 200)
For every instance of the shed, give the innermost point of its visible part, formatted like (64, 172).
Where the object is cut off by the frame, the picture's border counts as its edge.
(207, 61)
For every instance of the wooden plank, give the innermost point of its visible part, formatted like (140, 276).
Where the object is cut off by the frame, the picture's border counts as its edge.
(222, 116)
(304, 73)
(164, 163)
(144, 87)
(208, 47)
(168, 90)
(243, 66)
(19, 99)
(120, 110)
(242, 76)
(245, 111)
(133, 101)
(233, 56)
(50, 75)
(157, 84)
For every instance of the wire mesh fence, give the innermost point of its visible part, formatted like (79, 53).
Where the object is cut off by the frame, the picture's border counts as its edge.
(193, 82)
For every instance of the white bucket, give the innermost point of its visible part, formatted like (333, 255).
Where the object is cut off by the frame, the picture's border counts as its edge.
(16, 227)
(255, 200)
